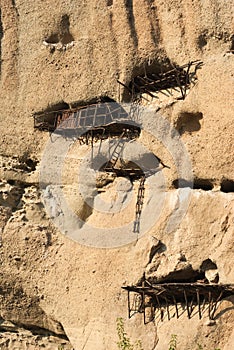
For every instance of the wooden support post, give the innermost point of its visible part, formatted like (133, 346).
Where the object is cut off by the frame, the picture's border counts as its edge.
(160, 309)
(179, 83)
(129, 305)
(151, 311)
(91, 147)
(176, 307)
(198, 302)
(191, 306)
(125, 86)
(86, 139)
(143, 304)
(167, 307)
(211, 306)
(143, 301)
(215, 304)
(203, 303)
(161, 314)
(186, 302)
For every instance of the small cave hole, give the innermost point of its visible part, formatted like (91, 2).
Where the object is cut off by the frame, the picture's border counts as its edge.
(65, 23)
(11, 182)
(66, 36)
(227, 186)
(208, 265)
(211, 271)
(202, 184)
(109, 2)
(202, 40)
(197, 184)
(188, 122)
(53, 39)
(157, 249)
(31, 164)
(18, 183)
(187, 275)
(63, 36)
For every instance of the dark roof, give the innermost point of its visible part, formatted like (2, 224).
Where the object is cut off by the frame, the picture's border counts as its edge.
(85, 117)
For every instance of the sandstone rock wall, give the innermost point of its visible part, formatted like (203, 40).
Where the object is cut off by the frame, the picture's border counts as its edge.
(65, 53)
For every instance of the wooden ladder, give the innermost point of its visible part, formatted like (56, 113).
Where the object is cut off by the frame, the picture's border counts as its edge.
(139, 204)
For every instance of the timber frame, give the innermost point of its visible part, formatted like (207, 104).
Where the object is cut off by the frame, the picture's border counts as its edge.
(166, 296)
(178, 77)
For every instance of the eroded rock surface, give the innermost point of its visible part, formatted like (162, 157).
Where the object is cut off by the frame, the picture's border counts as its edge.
(54, 291)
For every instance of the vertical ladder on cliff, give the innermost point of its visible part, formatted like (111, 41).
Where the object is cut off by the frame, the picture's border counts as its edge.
(116, 152)
(139, 204)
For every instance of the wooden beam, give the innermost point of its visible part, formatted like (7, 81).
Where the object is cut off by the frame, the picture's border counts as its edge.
(198, 302)
(215, 305)
(176, 307)
(129, 305)
(167, 307)
(186, 302)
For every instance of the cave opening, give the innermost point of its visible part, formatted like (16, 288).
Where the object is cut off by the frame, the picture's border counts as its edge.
(202, 184)
(227, 185)
(208, 264)
(188, 122)
(196, 184)
(63, 35)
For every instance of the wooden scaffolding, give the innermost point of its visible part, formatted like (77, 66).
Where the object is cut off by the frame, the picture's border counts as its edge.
(167, 296)
(178, 77)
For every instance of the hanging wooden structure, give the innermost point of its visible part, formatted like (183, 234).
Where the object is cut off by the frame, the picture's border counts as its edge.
(92, 122)
(162, 297)
(179, 77)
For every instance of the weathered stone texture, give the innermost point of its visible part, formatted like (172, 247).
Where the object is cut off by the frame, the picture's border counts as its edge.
(58, 54)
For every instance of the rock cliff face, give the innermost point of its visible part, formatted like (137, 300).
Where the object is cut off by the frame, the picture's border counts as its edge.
(59, 293)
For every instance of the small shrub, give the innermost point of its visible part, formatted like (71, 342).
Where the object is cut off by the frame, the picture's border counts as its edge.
(173, 342)
(124, 342)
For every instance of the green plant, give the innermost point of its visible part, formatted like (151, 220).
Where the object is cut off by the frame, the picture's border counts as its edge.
(173, 342)
(124, 342)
